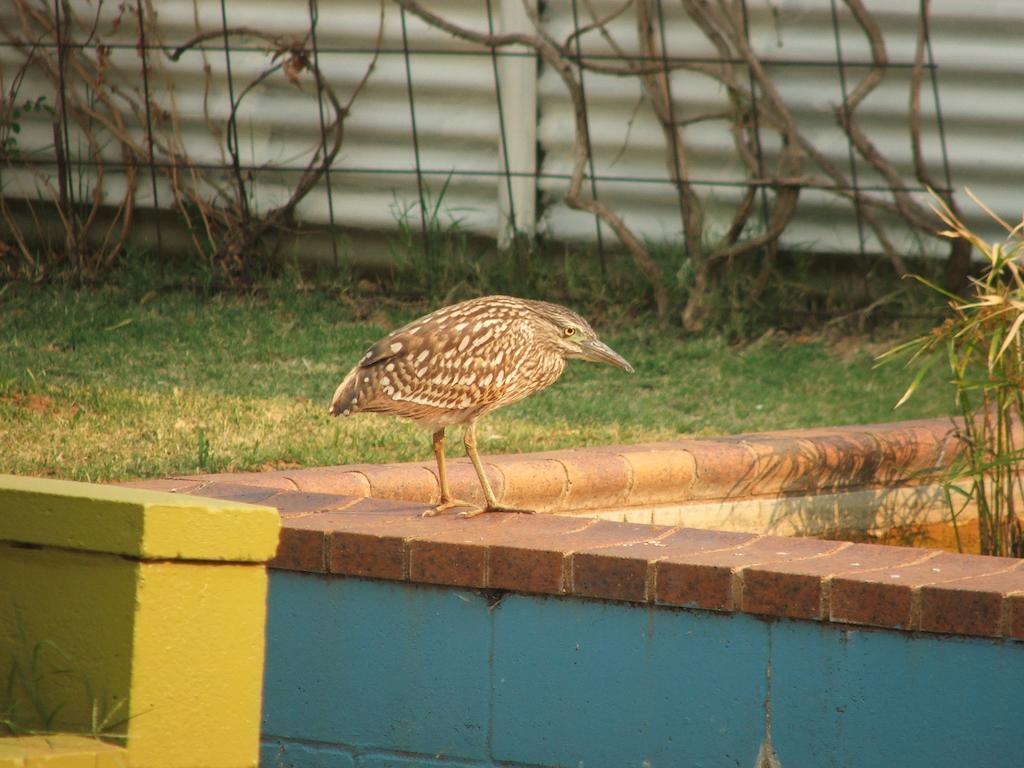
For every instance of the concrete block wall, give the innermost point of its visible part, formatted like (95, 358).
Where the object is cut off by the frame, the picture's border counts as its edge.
(368, 674)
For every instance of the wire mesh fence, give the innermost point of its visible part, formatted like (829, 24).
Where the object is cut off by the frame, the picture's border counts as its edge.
(726, 129)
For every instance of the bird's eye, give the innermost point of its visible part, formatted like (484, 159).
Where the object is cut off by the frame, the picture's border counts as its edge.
(569, 331)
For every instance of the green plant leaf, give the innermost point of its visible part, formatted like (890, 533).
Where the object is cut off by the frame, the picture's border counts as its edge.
(918, 377)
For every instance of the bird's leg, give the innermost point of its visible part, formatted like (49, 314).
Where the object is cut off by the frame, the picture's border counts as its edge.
(446, 501)
(474, 456)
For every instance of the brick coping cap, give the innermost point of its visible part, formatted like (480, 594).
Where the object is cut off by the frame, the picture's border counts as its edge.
(767, 464)
(366, 521)
(773, 576)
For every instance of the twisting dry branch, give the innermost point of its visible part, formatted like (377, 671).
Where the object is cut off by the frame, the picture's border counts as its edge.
(105, 109)
(753, 106)
(109, 111)
(560, 60)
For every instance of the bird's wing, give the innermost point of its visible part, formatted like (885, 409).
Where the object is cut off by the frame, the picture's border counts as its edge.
(390, 346)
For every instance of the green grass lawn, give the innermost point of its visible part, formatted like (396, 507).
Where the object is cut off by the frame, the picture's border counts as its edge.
(111, 384)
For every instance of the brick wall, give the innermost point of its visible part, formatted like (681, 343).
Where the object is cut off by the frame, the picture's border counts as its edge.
(546, 640)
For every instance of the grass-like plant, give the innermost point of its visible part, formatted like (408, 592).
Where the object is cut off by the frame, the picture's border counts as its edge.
(981, 343)
(35, 680)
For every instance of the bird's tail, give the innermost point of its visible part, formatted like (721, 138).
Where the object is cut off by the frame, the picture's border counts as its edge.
(345, 396)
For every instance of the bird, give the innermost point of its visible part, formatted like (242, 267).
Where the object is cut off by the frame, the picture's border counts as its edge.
(457, 364)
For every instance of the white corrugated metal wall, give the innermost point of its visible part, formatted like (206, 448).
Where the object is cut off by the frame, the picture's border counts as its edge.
(457, 143)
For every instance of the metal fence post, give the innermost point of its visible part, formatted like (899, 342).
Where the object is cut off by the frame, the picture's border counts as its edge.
(517, 197)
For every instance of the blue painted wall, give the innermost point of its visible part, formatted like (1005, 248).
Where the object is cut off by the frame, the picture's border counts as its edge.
(374, 674)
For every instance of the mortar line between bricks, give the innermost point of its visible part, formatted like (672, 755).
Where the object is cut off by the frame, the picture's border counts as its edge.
(504, 472)
(629, 471)
(292, 481)
(825, 601)
(312, 513)
(1005, 619)
(407, 558)
(737, 582)
(369, 488)
(651, 576)
(567, 486)
(435, 494)
(916, 596)
(915, 610)
(630, 542)
(333, 746)
(1007, 612)
(570, 556)
(568, 577)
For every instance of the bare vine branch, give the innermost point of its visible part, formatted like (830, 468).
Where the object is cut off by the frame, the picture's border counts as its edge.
(107, 108)
(559, 60)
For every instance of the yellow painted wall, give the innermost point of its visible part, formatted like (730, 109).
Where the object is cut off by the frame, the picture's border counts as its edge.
(197, 676)
(66, 627)
(136, 613)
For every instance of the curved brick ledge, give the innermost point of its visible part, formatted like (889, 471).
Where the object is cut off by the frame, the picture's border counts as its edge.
(331, 525)
(766, 464)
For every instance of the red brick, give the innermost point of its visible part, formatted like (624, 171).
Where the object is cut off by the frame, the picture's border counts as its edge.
(624, 571)
(659, 475)
(343, 481)
(609, 576)
(532, 482)
(592, 579)
(971, 606)
(248, 494)
(166, 484)
(372, 555)
(914, 449)
(453, 551)
(847, 458)
(449, 563)
(596, 479)
(889, 597)
(694, 586)
(876, 603)
(296, 503)
(724, 468)
(529, 554)
(773, 593)
(303, 544)
(679, 580)
(264, 479)
(1015, 619)
(406, 482)
(709, 579)
(369, 538)
(782, 464)
(546, 542)
(798, 588)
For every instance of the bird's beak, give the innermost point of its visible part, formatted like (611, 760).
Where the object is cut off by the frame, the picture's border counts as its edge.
(598, 352)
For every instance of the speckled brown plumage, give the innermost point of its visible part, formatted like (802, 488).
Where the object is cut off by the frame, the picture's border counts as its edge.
(463, 361)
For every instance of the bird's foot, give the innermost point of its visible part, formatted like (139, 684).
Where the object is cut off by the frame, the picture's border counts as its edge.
(495, 508)
(445, 505)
